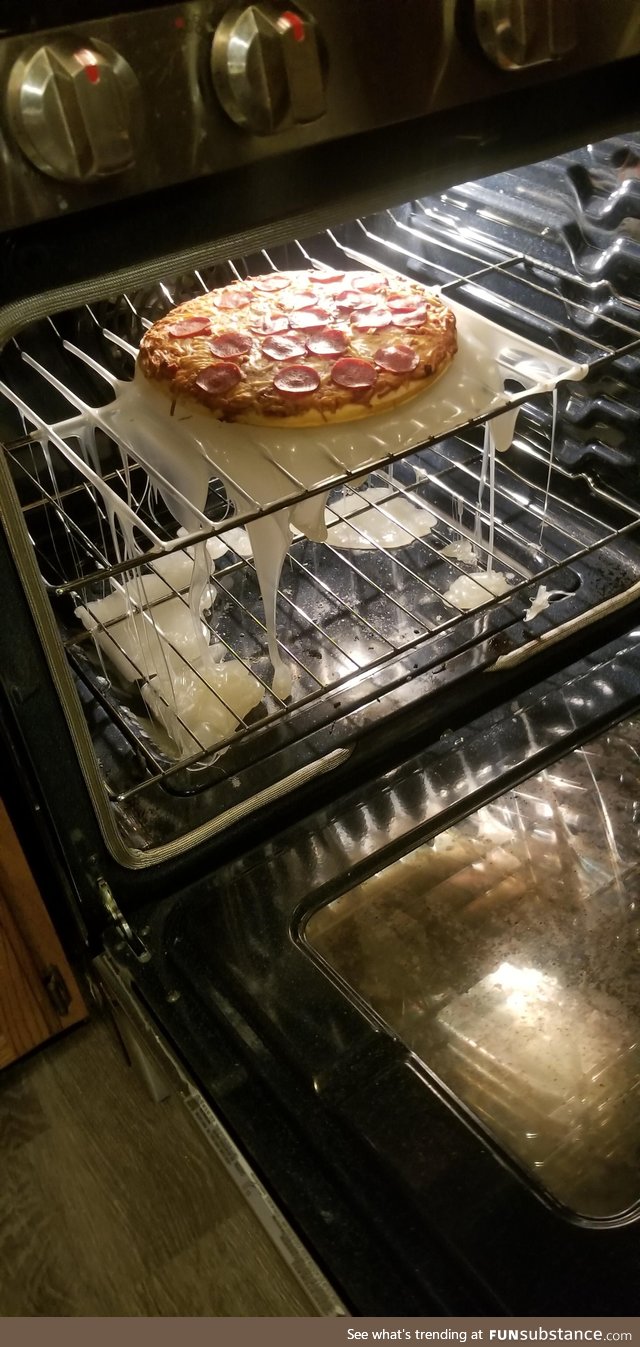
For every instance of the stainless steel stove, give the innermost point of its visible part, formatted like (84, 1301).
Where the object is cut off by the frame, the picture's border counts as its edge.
(111, 106)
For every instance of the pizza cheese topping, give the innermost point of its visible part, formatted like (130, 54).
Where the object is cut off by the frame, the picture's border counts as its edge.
(322, 344)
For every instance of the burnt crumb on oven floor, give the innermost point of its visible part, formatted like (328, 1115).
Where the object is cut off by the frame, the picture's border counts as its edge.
(116, 1206)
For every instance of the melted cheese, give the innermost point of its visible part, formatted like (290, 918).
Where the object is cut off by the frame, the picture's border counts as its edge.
(260, 466)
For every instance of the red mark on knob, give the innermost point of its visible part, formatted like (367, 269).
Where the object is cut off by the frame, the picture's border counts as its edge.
(179, 22)
(294, 22)
(87, 59)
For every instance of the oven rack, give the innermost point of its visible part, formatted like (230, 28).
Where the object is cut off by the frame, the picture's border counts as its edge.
(90, 420)
(564, 533)
(568, 534)
(521, 579)
(500, 289)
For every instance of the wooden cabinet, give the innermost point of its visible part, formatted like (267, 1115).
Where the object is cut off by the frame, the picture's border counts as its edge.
(39, 996)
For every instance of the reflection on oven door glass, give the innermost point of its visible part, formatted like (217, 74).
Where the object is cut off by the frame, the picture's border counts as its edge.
(505, 954)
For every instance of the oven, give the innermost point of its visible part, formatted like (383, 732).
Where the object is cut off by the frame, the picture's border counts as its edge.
(376, 922)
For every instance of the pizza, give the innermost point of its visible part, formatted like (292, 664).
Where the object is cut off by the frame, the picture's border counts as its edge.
(301, 348)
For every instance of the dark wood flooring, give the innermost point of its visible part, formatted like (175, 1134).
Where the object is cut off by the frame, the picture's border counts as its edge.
(113, 1205)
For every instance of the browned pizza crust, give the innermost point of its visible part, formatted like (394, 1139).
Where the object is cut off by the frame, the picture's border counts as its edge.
(301, 348)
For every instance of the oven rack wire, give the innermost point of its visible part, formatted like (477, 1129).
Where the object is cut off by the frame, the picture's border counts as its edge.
(444, 477)
(521, 578)
(477, 286)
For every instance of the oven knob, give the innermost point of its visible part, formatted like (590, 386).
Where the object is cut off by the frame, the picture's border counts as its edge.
(72, 109)
(518, 33)
(268, 67)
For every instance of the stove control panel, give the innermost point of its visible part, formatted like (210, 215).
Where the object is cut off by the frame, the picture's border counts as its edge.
(72, 108)
(268, 67)
(116, 107)
(516, 34)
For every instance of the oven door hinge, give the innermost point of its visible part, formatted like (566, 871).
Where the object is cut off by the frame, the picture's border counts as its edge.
(57, 990)
(120, 924)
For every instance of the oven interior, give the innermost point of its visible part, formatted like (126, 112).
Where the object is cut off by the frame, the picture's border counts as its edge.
(373, 630)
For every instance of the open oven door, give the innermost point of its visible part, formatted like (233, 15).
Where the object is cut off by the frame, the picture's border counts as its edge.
(418, 1012)
(331, 1002)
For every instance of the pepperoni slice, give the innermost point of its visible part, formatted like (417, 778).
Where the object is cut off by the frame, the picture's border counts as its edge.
(414, 319)
(275, 282)
(328, 277)
(370, 284)
(399, 359)
(331, 341)
(268, 324)
(283, 348)
(302, 299)
(404, 303)
(216, 379)
(372, 319)
(297, 379)
(307, 319)
(190, 327)
(350, 299)
(228, 344)
(233, 299)
(353, 373)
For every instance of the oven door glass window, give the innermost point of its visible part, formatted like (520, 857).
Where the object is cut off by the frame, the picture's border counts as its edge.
(505, 954)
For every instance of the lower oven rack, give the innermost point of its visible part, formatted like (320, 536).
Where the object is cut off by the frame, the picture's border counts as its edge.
(365, 623)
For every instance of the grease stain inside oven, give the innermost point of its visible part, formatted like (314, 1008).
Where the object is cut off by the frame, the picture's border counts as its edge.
(504, 954)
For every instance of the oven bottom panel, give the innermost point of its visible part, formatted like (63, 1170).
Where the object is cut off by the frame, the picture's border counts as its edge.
(337, 1081)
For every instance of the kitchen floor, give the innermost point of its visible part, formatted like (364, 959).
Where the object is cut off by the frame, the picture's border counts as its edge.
(113, 1205)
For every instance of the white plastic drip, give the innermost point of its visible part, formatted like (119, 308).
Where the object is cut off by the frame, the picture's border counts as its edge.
(554, 420)
(482, 482)
(261, 465)
(460, 549)
(539, 603)
(492, 495)
(270, 540)
(146, 630)
(201, 705)
(383, 519)
(181, 447)
(135, 639)
(199, 595)
(471, 591)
